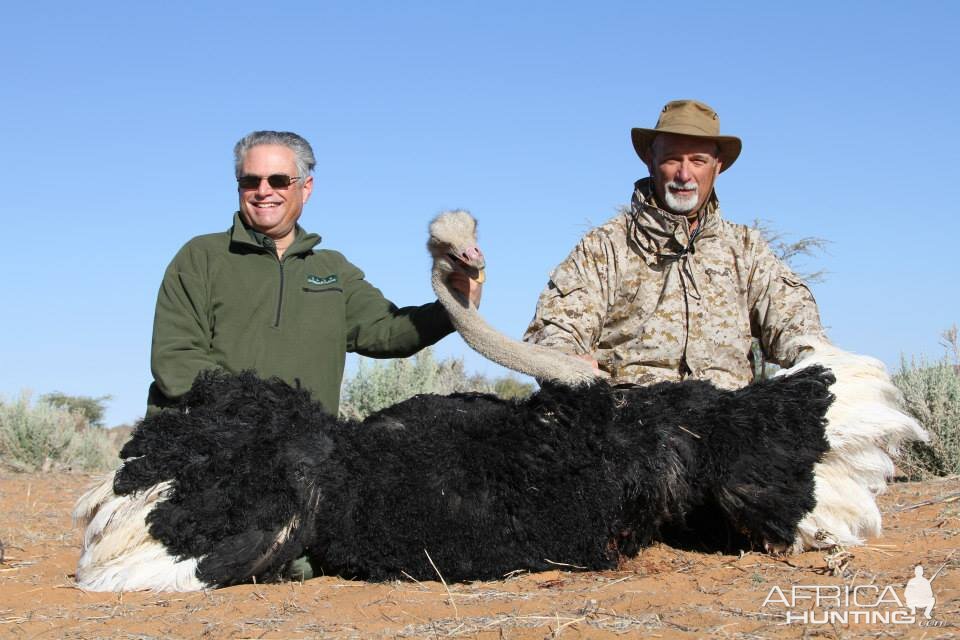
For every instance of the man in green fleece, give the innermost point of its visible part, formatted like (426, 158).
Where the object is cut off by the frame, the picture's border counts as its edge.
(262, 296)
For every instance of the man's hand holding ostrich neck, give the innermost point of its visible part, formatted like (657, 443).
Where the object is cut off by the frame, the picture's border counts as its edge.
(469, 286)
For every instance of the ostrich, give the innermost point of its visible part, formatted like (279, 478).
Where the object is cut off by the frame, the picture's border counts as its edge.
(249, 474)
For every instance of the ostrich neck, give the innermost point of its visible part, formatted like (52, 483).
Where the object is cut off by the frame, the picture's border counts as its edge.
(534, 360)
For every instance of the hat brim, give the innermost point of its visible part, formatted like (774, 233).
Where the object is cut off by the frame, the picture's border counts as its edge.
(729, 146)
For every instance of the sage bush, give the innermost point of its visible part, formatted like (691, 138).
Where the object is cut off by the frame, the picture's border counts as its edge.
(45, 437)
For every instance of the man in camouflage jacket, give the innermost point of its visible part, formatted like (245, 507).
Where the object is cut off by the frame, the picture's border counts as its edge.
(668, 289)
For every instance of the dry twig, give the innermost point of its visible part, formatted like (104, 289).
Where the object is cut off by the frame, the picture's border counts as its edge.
(950, 497)
(562, 564)
(456, 613)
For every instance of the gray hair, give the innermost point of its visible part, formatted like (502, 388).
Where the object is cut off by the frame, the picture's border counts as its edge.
(302, 151)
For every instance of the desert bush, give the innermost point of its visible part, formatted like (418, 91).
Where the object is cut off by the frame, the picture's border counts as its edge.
(378, 385)
(932, 394)
(788, 252)
(44, 437)
(119, 435)
(92, 409)
(510, 388)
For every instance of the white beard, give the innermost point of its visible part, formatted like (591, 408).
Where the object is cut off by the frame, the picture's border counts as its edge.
(681, 204)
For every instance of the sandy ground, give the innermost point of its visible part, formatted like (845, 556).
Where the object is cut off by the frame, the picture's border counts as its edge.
(663, 593)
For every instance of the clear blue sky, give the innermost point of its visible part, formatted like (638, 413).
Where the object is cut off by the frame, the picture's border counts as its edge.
(119, 120)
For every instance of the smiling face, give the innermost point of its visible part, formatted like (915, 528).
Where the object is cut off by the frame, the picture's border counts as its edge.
(273, 211)
(683, 171)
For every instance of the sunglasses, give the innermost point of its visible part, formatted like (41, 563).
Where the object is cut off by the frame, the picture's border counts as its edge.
(277, 181)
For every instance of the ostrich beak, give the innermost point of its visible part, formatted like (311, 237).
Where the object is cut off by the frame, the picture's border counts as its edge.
(471, 262)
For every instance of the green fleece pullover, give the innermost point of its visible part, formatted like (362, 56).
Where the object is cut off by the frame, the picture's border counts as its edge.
(226, 301)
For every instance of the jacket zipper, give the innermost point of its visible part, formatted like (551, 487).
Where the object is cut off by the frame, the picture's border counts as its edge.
(685, 253)
(684, 369)
(276, 322)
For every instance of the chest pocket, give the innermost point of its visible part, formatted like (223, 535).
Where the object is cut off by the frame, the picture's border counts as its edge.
(324, 312)
(718, 274)
(322, 284)
(322, 290)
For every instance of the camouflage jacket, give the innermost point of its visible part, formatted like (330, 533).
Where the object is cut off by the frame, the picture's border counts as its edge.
(650, 304)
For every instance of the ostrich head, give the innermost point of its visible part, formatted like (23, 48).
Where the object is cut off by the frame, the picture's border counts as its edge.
(453, 245)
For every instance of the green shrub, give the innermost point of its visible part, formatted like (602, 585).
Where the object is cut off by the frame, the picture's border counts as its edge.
(46, 437)
(92, 409)
(932, 395)
(382, 384)
(510, 388)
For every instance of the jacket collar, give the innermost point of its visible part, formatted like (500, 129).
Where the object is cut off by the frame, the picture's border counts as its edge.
(658, 233)
(242, 234)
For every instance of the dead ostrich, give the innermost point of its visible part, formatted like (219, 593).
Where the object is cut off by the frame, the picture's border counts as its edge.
(248, 474)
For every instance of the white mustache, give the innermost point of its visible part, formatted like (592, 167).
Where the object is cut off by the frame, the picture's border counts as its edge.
(692, 186)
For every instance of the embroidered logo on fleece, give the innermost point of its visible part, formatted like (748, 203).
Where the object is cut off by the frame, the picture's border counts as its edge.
(317, 281)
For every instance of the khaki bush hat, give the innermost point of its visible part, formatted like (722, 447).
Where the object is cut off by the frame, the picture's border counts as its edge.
(689, 118)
